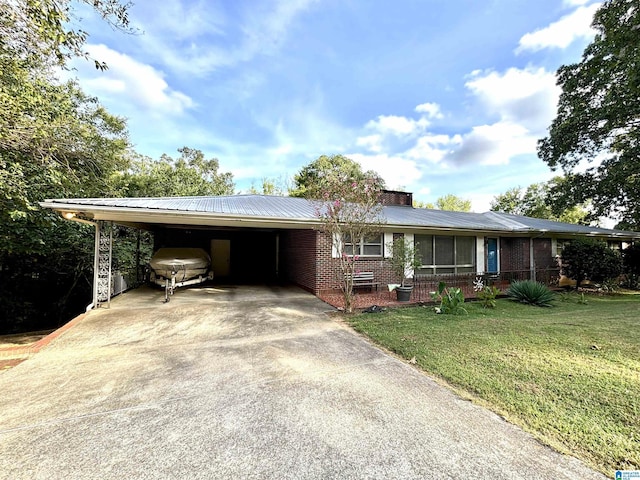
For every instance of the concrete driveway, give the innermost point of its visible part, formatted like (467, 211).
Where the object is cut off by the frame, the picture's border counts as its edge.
(245, 382)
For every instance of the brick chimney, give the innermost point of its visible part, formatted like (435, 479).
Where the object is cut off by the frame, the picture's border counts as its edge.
(393, 197)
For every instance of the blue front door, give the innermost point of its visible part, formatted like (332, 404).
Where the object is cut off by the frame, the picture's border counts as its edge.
(492, 255)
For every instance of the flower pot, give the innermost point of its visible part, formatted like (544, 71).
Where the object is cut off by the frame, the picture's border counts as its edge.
(404, 293)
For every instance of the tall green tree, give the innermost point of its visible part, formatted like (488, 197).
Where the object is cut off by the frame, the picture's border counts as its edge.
(315, 179)
(597, 124)
(448, 202)
(535, 201)
(188, 175)
(55, 141)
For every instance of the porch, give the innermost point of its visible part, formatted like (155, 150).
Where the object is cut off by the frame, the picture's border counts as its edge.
(469, 283)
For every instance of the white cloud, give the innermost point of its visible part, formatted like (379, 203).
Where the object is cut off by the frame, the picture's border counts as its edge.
(397, 125)
(562, 33)
(523, 102)
(370, 142)
(528, 96)
(395, 170)
(433, 148)
(257, 29)
(431, 109)
(133, 82)
(493, 144)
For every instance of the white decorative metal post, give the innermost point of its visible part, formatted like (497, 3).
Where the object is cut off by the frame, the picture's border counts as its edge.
(102, 267)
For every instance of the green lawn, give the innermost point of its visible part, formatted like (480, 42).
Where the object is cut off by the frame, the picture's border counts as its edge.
(570, 374)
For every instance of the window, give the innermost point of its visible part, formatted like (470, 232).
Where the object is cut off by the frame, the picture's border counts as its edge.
(370, 246)
(446, 254)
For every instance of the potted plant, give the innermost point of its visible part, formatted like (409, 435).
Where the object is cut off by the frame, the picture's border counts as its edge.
(404, 260)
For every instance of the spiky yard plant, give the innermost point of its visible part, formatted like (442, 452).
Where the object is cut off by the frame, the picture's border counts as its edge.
(531, 293)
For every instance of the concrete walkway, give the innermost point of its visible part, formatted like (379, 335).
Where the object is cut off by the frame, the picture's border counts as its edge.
(245, 382)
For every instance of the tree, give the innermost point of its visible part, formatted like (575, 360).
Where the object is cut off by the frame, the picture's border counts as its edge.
(317, 178)
(279, 186)
(447, 202)
(535, 200)
(189, 175)
(348, 211)
(590, 259)
(55, 141)
(597, 124)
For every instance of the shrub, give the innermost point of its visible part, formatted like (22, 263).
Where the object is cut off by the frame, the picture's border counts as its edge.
(631, 262)
(590, 259)
(531, 293)
(487, 296)
(451, 300)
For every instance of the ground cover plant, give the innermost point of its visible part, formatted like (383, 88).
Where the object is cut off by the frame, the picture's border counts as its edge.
(570, 374)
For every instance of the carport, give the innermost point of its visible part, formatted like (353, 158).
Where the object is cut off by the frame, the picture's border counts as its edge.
(244, 234)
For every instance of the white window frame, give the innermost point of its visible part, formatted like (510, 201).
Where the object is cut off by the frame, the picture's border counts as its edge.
(346, 247)
(455, 266)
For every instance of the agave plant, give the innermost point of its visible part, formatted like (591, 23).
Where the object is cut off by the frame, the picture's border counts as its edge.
(531, 293)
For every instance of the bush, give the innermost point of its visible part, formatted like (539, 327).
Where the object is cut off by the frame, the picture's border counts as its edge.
(631, 262)
(487, 296)
(451, 300)
(590, 259)
(531, 293)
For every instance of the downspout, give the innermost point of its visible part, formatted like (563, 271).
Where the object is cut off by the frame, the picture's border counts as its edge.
(72, 217)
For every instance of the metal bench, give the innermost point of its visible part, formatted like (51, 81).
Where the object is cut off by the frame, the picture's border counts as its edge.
(364, 279)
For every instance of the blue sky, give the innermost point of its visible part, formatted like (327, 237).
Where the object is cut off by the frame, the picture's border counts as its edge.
(437, 96)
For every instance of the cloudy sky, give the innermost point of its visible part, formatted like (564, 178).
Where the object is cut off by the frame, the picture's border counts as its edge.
(438, 96)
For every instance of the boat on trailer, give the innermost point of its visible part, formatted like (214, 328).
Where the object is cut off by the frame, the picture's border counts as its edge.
(178, 267)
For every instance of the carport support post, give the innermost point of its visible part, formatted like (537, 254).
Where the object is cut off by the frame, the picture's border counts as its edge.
(102, 264)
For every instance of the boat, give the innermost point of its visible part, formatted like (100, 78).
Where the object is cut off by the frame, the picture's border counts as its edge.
(179, 267)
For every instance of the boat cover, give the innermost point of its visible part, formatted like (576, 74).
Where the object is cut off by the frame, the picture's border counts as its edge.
(185, 262)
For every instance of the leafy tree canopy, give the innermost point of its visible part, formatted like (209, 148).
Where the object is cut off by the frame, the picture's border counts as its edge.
(590, 259)
(598, 119)
(317, 178)
(449, 202)
(534, 201)
(189, 175)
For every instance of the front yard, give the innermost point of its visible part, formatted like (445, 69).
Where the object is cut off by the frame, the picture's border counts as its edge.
(569, 374)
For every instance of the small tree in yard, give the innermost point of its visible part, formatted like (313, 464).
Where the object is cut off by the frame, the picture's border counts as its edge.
(404, 258)
(590, 259)
(348, 210)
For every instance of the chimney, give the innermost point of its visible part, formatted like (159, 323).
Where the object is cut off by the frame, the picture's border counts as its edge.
(393, 197)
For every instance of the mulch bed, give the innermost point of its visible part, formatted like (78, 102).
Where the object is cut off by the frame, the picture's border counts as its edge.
(362, 300)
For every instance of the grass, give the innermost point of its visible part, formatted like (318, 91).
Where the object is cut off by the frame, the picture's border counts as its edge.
(569, 374)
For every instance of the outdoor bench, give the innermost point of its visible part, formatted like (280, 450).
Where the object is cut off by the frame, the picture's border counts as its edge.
(364, 279)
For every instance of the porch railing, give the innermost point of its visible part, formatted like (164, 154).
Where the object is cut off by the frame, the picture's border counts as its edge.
(469, 282)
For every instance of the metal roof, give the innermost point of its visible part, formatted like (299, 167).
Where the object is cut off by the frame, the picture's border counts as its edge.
(284, 210)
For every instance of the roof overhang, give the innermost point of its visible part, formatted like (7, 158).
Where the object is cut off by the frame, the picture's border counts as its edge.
(148, 218)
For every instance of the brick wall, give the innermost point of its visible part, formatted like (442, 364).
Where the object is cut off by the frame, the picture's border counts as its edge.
(390, 197)
(298, 257)
(542, 254)
(328, 274)
(514, 254)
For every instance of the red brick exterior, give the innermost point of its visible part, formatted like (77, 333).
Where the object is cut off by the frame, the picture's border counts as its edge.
(514, 254)
(328, 268)
(542, 254)
(298, 252)
(391, 197)
(306, 259)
